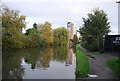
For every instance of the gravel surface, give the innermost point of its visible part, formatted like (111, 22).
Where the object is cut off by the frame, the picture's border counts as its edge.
(98, 65)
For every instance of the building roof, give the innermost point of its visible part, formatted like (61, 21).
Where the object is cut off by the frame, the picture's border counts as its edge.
(118, 2)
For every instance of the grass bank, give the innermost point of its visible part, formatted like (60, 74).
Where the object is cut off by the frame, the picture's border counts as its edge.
(82, 63)
(114, 64)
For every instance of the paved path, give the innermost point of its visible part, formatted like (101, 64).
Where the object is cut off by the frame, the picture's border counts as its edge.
(98, 65)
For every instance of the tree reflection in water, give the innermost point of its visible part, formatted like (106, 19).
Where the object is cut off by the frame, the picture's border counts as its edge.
(60, 53)
(11, 65)
(35, 57)
(38, 57)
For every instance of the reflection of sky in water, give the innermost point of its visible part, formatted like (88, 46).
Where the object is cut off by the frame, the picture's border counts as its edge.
(39, 63)
(56, 70)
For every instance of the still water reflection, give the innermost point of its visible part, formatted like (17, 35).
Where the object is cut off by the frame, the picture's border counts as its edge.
(39, 63)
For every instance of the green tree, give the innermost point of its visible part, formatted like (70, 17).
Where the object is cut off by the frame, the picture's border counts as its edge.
(61, 36)
(35, 26)
(75, 40)
(94, 28)
(33, 38)
(12, 25)
(31, 31)
(47, 33)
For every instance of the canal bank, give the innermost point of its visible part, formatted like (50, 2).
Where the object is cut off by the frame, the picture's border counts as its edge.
(82, 63)
(99, 66)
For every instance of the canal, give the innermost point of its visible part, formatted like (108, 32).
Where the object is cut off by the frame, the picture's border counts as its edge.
(39, 63)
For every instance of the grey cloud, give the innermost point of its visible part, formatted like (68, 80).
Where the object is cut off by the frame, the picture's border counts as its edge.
(59, 13)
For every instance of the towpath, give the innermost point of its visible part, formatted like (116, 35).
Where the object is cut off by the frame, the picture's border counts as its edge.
(98, 65)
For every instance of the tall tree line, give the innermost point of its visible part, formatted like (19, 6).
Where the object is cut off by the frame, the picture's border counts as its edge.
(12, 25)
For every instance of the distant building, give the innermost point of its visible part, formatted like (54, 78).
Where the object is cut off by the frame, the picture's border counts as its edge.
(118, 17)
(71, 28)
(39, 27)
(112, 42)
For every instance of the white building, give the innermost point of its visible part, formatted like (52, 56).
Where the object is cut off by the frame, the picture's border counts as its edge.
(71, 28)
(118, 17)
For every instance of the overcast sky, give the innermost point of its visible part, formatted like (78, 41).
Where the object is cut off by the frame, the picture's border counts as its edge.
(59, 12)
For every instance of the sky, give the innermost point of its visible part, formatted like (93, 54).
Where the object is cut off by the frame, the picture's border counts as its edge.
(59, 12)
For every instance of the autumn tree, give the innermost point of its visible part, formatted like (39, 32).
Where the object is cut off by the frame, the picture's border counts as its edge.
(61, 36)
(93, 29)
(12, 25)
(47, 33)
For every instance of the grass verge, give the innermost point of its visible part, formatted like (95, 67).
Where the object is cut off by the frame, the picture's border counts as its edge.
(82, 63)
(114, 64)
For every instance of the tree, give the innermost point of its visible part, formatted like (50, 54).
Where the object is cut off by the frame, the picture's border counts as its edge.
(47, 33)
(75, 40)
(31, 31)
(94, 28)
(33, 38)
(35, 26)
(61, 36)
(12, 25)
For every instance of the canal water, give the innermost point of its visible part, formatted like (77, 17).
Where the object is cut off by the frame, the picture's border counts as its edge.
(39, 63)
